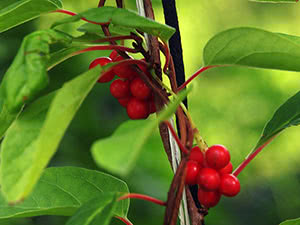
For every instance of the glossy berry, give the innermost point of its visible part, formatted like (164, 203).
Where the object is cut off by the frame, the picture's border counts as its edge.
(230, 185)
(139, 89)
(197, 155)
(108, 76)
(217, 156)
(208, 179)
(226, 170)
(124, 71)
(137, 109)
(208, 198)
(192, 170)
(124, 101)
(120, 88)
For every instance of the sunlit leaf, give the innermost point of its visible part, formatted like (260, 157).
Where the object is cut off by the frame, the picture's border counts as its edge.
(62, 190)
(119, 152)
(254, 48)
(123, 18)
(288, 114)
(15, 12)
(275, 1)
(40, 129)
(291, 222)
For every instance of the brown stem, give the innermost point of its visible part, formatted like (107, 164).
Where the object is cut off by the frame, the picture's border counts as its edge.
(101, 3)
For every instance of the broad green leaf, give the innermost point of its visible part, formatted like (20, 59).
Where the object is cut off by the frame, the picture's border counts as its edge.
(27, 75)
(97, 211)
(275, 1)
(15, 12)
(123, 18)
(40, 129)
(62, 190)
(291, 222)
(254, 48)
(91, 28)
(119, 152)
(288, 114)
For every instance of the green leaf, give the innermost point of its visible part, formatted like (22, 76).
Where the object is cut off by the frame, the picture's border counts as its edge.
(123, 19)
(97, 211)
(114, 30)
(288, 114)
(119, 152)
(254, 48)
(62, 190)
(16, 12)
(40, 128)
(291, 222)
(27, 75)
(275, 1)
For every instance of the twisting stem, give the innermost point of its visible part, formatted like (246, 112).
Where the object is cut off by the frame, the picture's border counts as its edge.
(251, 157)
(82, 18)
(181, 146)
(143, 197)
(127, 222)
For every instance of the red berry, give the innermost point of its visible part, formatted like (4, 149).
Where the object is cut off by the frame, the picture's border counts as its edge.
(217, 156)
(226, 170)
(208, 198)
(192, 169)
(113, 55)
(119, 88)
(208, 179)
(230, 185)
(139, 89)
(124, 71)
(103, 61)
(137, 109)
(197, 155)
(124, 101)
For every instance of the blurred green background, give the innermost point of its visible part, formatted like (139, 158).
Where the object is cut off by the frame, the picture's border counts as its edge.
(229, 105)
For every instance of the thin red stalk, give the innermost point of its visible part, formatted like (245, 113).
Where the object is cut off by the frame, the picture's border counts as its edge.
(108, 47)
(194, 76)
(250, 158)
(127, 222)
(181, 146)
(167, 55)
(143, 197)
(74, 14)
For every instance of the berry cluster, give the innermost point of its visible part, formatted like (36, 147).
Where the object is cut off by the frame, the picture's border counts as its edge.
(129, 89)
(211, 171)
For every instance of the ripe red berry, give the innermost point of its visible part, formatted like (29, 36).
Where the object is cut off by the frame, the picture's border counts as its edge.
(124, 101)
(124, 71)
(137, 109)
(217, 156)
(108, 76)
(120, 88)
(197, 155)
(139, 89)
(208, 198)
(192, 169)
(226, 170)
(230, 185)
(209, 179)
